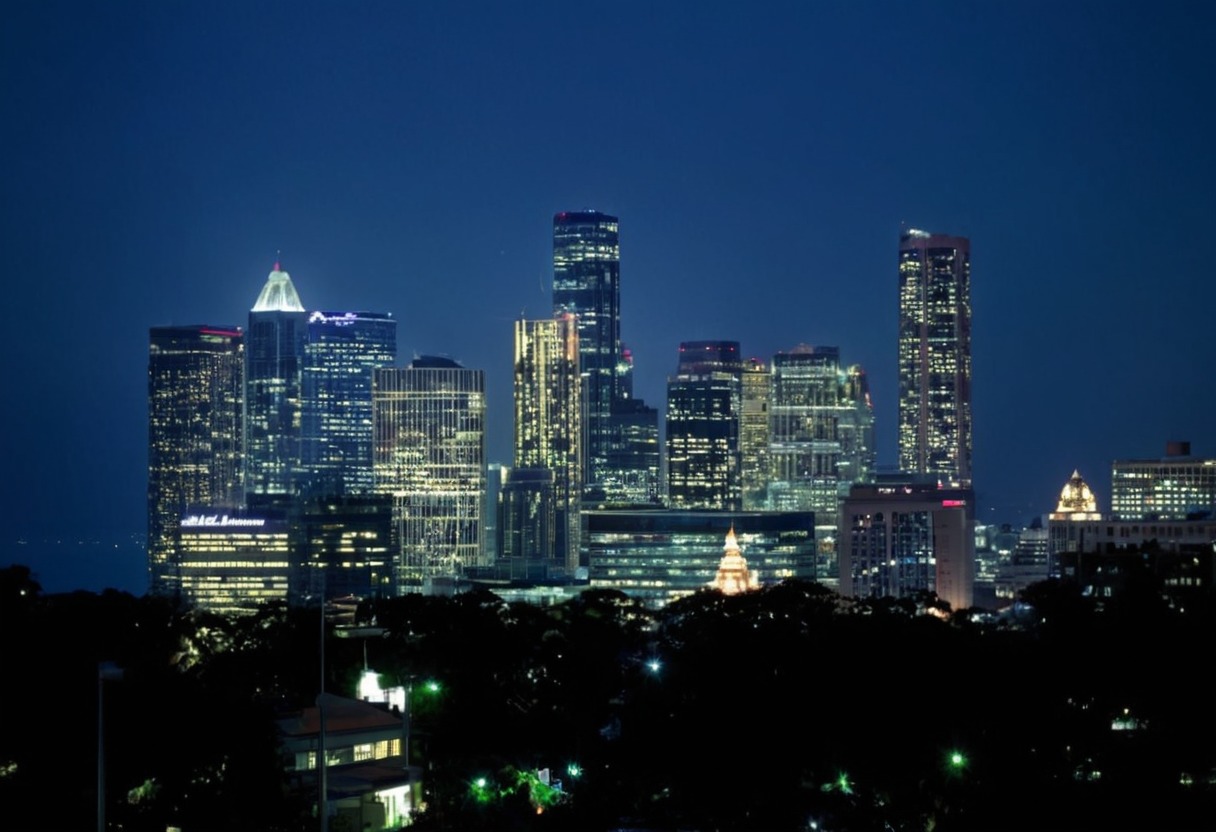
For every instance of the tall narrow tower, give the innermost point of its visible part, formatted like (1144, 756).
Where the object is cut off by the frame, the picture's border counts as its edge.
(548, 406)
(935, 355)
(704, 407)
(196, 378)
(273, 395)
(587, 284)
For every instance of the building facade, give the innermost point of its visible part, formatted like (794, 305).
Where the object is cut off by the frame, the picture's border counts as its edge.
(704, 406)
(935, 434)
(233, 563)
(340, 353)
(430, 455)
(587, 285)
(548, 419)
(273, 387)
(754, 433)
(658, 556)
(196, 394)
(1176, 487)
(901, 537)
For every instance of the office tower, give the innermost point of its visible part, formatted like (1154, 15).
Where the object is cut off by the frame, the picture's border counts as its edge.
(587, 284)
(805, 448)
(855, 428)
(631, 476)
(342, 547)
(548, 424)
(704, 403)
(528, 522)
(496, 478)
(340, 353)
(196, 389)
(901, 536)
(821, 439)
(1177, 486)
(935, 356)
(232, 563)
(274, 361)
(430, 455)
(754, 433)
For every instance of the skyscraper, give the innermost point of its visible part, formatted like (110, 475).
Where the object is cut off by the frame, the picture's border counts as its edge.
(548, 425)
(196, 392)
(341, 351)
(704, 404)
(273, 394)
(754, 433)
(821, 439)
(935, 355)
(587, 284)
(430, 455)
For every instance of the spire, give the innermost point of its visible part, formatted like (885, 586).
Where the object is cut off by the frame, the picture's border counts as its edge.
(278, 295)
(733, 575)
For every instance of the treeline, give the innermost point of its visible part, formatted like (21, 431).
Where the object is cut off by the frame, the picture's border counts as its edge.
(772, 710)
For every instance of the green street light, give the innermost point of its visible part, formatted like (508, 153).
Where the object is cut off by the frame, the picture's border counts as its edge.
(574, 770)
(957, 761)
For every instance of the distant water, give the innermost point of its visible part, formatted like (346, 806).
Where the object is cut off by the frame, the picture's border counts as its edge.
(92, 563)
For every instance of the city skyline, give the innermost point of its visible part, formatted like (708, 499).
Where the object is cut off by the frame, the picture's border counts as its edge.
(410, 161)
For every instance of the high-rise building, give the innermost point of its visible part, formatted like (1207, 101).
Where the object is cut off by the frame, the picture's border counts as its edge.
(340, 353)
(587, 284)
(903, 536)
(631, 476)
(1177, 486)
(196, 389)
(273, 387)
(548, 423)
(430, 455)
(754, 433)
(704, 404)
(935, 355)
(821, 440)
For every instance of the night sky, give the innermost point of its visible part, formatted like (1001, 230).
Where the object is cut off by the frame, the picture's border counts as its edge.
(762, 158)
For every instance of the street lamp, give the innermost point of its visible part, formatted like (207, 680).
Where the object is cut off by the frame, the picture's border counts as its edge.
(106, 672)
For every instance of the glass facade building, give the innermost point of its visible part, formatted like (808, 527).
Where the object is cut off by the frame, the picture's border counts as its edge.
(704, 404)
(196, 389)
(659, 556)
(340, 353)
(821, 438)
(757, 385)
(935, 355)
(587, 284)
(548, 419)
(430, 456)
(273, 387)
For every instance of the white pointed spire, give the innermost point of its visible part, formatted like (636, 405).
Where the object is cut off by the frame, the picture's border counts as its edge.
(278, 295)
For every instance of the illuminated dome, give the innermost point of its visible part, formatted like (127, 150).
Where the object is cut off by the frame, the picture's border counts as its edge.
(278, 295)
(1077, 497)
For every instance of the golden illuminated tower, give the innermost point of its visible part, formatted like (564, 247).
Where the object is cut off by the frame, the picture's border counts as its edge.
(548, 420)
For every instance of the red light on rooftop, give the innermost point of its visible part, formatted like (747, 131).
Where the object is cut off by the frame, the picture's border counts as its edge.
(953, 503)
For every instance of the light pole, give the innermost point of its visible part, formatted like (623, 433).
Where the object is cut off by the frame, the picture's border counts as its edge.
(106, 672)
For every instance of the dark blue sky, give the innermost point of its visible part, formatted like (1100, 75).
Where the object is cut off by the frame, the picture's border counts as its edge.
(408, 158)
